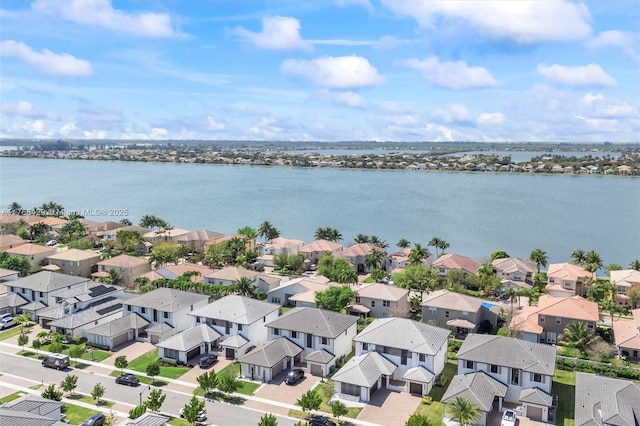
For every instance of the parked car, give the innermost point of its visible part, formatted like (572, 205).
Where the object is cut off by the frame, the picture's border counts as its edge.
(321, 421)
(207, 361)
(202, 416)
(509, 418)
(95, 420)
(7, 322)
(294, 376)
(57, 361)
(128, 379)
(51, 243)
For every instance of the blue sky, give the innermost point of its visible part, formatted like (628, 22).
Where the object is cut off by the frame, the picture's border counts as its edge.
(383, 70)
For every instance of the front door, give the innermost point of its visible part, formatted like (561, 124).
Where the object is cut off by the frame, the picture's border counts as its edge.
(551, 337)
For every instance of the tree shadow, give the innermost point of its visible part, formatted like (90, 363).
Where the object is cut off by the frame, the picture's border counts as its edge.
(223, 397)
(159, 383)
(81, 366)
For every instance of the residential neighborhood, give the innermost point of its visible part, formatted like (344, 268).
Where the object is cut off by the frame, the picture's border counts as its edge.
(389, 335)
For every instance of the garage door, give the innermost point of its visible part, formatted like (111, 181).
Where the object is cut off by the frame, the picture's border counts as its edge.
(415, 388)
(534, 413)
(154, 338)
(316, 369)
(276, 369)
(119, 340)
(230, 353)
(193, 352)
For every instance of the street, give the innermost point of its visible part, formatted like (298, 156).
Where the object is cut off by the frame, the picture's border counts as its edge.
(218, 413)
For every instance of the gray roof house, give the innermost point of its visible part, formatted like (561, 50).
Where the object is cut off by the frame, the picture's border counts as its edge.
(239, 320)
(417, 351)
(76, 323)
(32, 411)
(270, 358)
(526, 368)
(478, 388)
(606, 401)
(117, 332)
(324, 335)
(187, 346)
(148, 419)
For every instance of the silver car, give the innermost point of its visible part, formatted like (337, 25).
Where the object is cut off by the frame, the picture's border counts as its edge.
(7, 322)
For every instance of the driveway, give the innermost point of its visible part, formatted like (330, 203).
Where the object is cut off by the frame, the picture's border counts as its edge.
(193, 373)
(131, 350)
(277, 390)
(389, 408)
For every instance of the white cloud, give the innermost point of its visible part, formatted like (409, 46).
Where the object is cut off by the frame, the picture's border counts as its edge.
(278, 33)
(102, 14)
(452, 75)
(524, 21)
(212, 124)
(629, 42)
(362, 3)
(602, 107)
(343, 42)
(452, 113)
(26, 109)
(266, 127)
(490, 118)
(588, 75)
(159, 133)
(46, 60)
(349, 99)
(342, 72)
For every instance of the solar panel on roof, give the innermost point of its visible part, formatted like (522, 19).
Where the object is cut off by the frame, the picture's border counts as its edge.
(108, 309)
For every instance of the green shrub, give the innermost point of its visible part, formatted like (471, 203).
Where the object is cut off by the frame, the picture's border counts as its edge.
(426, 400)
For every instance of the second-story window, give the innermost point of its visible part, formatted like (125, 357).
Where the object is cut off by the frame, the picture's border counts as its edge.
(325, 341)
(309, 340)
(365, 346)
(294, 334)
(165, 315)
(143, 310)
(239, 327)
(469, 364)
(276, 331)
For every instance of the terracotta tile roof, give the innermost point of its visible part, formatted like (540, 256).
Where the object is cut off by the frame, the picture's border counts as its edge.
(362, 249)
(30, 249)
(49, 221)
(232, 273)
(574, 308)
(457, 261)
(626, 333)
(123, 261)
(170, 233)
(11, 240)
(320, 245)
(567, 271)
(105, 226)
(510, 265)
(152, 276)
(449, 299)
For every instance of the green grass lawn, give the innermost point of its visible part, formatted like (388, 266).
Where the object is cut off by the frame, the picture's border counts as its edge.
(14, 331)
(89, 400)
(435, 411)
(97, 355)
(450, 370)
(564, 385)
(140, 364)
(11, 397)
(246, 387)
(75, 414)
(352, 412)
(143, 379)
(177, 421)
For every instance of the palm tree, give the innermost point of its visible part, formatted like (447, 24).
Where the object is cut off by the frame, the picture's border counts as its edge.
(443, 245)
(540, 257)
(435, 242)
(635, 264)
(376, 241)
(268, 231)
(593, 258)
(578, 257)
(578, 335)
(244, 287)
(463, 410)
(347, 276)
(113, 277)
(361, 238)
(374, 259)
(329, 234)
(418, 254)
(403, 243)
(15, 208)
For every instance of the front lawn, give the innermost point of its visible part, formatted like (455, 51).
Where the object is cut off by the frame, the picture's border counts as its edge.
(15, 331)
(140, 364)
(326, 391)
(96, 356)
(564, 386)
(89, 400)
(177, 421)
(75, 414)
(246, 387)
(11, 397)
(435, 411)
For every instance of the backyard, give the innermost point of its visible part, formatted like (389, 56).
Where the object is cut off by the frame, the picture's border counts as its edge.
(564, 384)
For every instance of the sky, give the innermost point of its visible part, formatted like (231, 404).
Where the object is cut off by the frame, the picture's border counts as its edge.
(322, 70)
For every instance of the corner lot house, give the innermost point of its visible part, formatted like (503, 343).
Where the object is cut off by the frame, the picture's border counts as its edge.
(76, 323)
(624, 281)
(127, 267)
(393, 353)
(627, 336)
(36, 254)
(546, 322)
(380, 301)
(566, 279)
(166, 309)
(602, 401)
(75, 262)
(462, 313)
(323, 335)
(526, 369)
(452, 261)
(239, 321)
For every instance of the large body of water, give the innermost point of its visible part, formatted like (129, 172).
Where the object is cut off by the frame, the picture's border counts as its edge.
(475, 213)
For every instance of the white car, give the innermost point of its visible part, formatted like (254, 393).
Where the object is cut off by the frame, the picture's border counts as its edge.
(509, 418)
(7, 322)
(202, 416)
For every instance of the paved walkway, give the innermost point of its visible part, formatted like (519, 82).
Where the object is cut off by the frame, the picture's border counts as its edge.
(398, 407)
(131, 350)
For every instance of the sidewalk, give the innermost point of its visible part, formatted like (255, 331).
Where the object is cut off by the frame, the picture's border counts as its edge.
(188, 388)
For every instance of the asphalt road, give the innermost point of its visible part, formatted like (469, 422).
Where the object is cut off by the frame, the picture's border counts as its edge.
(218, 413)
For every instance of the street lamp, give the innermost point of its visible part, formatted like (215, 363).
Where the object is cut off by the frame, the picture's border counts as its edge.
(148, 387)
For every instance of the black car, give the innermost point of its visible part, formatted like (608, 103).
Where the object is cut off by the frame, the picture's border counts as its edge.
(294, 376)
(207, 361)
(128, 379)
(321, 421)
(95, 420)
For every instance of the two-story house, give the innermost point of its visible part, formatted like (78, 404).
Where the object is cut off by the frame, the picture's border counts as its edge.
(165, 235)
(546, 322)
(166, 309)
(35, 253)
(452, 261)
(196, 240)
(624, 281)
(314, 251)
(279, 245)
(462, 313)
(324, 336)
(627, 336)
(75, 262)
(127, 267)
(239, 320)
(408, 352)
(98, 230)
(229, 275)
(525, 368)
(606, 401)
(299, 292)
(566, 279)
(514, 272)
(357, 254)
(380, 301)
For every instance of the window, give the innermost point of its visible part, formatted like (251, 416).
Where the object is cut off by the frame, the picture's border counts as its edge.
(276, 331)
(446, 314)
(275, 300)
(558, 320)
(469, 364)
(403, 357)
(590, 324)
(42, 294)
(143, 310)
(129, 308)
(239, 327)
(622, 290)
(309, 340)
(442, 270)
(465, 313)
(22, 290)
(537, 378)
(324, 341)
(423, 358)
(373, 303)
(551, 281)
(294, 334)
(170, 353)
(541, 317)
(567, 284)
(494, 368)
(165, 315)
(227, 327)
(191, 308)
(432, 309)
(357, 299)
(386, 303)
(515, 377)
(365, 346)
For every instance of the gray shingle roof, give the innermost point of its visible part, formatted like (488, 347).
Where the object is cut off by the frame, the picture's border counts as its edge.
(536, 396)
(23, 418)
(509, 352)
(12, 300)
(419, 374)
(320, 357)
(479, 388)
(88, 315)
(271, 353)
(36, 405)
(167, 299)
(605, 400)
(403, 333)
(190, 338)
(148, 419)
(89, 291)
(119, 326)
(314, 321)
(365, 369)
(159, 328)
(47, 281)
(33, 306)
(236, 341)
(236, 309)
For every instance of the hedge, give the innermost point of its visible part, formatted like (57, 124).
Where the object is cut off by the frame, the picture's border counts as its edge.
(598, 368)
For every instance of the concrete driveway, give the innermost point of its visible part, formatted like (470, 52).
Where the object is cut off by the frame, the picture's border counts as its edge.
(389, 408)
(277, 390)
(131, 350)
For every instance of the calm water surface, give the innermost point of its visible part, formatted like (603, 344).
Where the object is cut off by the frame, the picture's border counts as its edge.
(475, 213)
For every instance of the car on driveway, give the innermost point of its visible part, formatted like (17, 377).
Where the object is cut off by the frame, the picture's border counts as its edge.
(202, 415)
(51, 243)
(321, 421)
(294, 376)
(95, 420)
(509, 418)
(128, 379)
(207, 361)
(7, 322)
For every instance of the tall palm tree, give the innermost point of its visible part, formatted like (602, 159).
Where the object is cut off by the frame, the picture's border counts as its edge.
(329, 234)
(578, 257)
(435, 242)
(540, 257)
(593, 258)
(244, 287)
(418, 254)
(15, 208)
(347, 276)
(268, 231)
(578, 335)
(463, 410)
(443, 245)
(403, 243)
(376, 241)
(635, 264)
(374, 259)
(361, 238)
